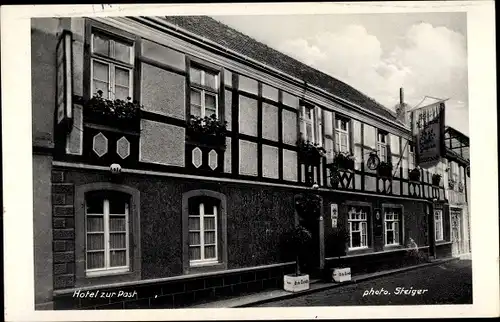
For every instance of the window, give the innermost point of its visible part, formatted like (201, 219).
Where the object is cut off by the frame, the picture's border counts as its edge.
(357, 220)
(411, 156)
(308, 123)
(342, 135)
(392, 227)
(111, 66)
(454, 171)
(438, 225)
(107, 233)
(382, 146)
(203, 232)
(204, 92)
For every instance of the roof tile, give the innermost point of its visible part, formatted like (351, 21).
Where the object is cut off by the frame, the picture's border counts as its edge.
(230, 38)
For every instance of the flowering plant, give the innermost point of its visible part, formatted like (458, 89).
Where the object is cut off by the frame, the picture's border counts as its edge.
(208, 125)
(385, 169)
(436, 179)
(415, 174)
(310, 152)
(343, 160)
(117, 108)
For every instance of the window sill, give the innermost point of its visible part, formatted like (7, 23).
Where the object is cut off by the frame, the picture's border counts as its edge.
(359, 250)
(393, 246)
(104, 273)
(205, 267)
(107, 278)
(443, 242)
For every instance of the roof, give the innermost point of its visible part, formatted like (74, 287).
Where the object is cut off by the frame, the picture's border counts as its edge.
(232, 39)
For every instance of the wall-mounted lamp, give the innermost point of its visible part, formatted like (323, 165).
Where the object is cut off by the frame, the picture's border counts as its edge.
(115, 168)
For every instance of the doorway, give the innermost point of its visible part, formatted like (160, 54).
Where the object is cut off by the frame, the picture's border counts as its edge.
(456, 232)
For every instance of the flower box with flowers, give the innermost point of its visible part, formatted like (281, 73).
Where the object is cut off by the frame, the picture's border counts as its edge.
(117, 113)
(207, 131)
(342, 161)
(436, 179)
(460, 187)
(384, 169)
(414, 174)
(310, 153)
(451, 184)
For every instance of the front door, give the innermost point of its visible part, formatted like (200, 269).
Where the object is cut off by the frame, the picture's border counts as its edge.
(456, 232)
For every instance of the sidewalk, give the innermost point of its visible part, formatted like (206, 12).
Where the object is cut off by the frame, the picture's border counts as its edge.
(315, 286)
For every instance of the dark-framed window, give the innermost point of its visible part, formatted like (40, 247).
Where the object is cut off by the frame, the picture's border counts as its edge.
(308, 123)
(111, 65)
(358, 227)
(393, 225)
(204, 91)
(204, 231)
(382, 142)
(342, 134)
(107, 234)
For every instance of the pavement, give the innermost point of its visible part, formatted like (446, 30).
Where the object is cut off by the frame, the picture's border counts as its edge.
(322, 293)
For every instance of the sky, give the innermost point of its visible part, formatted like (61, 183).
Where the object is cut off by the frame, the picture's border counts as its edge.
(425, 53)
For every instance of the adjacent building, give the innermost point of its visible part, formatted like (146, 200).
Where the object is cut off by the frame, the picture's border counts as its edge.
(145, 204)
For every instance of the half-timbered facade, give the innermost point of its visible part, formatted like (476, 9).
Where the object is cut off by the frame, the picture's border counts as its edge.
(186, 217)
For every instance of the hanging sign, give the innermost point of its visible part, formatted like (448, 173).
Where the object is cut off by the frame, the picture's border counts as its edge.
(64, 88)
(334, 213)
(428, 127)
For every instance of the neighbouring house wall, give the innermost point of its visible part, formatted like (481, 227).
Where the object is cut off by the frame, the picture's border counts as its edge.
(43, 46)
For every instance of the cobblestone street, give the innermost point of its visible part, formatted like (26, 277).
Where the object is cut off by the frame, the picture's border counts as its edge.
(449, 283)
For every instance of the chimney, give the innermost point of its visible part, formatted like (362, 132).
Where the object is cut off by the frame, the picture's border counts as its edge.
(401, 108)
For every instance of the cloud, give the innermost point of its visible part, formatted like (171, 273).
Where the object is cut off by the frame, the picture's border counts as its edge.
(427, 60)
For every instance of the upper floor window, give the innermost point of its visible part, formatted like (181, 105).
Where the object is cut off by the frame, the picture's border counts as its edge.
(112, 63)
(204, 89)
(382, 145)
(342, 135)
(358, 228)
(392, 227)
(454, 171)
(203, 232)
(411, 156)
(106, 233)
(308, 124)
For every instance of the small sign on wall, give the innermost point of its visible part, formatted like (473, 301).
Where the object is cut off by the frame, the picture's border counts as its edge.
(64, 88)
(334, 213)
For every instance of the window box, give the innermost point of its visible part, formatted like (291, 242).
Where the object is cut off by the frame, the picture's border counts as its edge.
(207, 130)
(342, 161)
(116, 113)
(385, 169)
(436, 179)
(460, 187)
(310, 153)
(414, 175)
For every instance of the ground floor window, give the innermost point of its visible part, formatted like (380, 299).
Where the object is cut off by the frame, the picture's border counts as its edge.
(203, 231)
(438, 225)
(106, 232)
(392, 219)
(358, 228)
